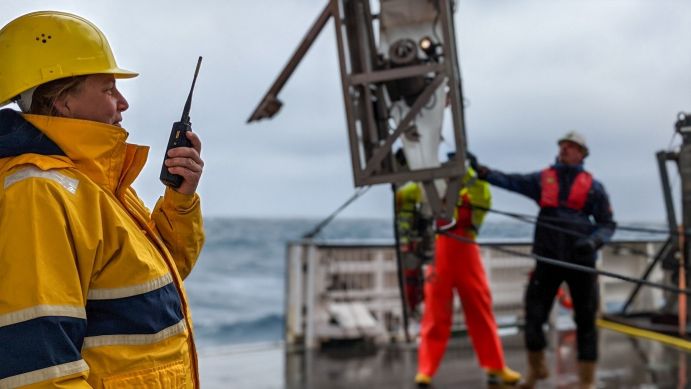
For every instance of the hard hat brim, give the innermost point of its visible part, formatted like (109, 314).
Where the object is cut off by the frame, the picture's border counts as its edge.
(118, 73)
(123, 73)
(583, 148)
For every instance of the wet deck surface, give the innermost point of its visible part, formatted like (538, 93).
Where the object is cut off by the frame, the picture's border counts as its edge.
(625, 362)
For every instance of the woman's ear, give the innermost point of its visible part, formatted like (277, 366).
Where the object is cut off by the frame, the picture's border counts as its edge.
(61, 106)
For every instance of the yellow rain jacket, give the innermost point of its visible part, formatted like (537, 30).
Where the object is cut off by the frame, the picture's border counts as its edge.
(408, 197)
(474, 199)
(91, 290)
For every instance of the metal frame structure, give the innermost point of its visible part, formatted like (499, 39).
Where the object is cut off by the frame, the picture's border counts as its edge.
(363, 77)
(669, 249)
(674, 253)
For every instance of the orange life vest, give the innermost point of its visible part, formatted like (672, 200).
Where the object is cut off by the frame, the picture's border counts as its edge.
(549, 198)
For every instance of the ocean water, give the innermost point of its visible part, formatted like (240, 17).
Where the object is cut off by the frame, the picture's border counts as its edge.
(236, 289)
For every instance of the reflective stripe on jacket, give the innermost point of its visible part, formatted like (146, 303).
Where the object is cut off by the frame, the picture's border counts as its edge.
(91, 292)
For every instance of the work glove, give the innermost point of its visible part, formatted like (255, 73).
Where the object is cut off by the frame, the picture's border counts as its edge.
(481, 170)
(587, 246)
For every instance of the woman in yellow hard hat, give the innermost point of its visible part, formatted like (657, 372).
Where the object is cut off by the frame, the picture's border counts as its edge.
(92, 292)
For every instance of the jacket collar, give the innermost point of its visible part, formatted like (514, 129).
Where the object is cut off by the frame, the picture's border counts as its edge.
(17, 137)
(564, 168)
(96, 149)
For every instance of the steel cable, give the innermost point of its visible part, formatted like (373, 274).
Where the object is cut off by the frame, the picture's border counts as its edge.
(536, 221)
(319, 227)
(569, 265)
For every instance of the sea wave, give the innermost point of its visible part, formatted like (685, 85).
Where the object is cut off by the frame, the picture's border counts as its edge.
(265, 328)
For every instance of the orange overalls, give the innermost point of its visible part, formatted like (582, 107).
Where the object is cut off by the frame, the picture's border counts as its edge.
(458, 266)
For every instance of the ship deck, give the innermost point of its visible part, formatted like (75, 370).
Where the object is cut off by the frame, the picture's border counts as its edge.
(625, 362)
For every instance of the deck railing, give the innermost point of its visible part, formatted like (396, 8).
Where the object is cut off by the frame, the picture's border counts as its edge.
(348, 291)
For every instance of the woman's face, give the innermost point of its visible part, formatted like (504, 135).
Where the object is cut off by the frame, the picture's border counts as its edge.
(97, 99)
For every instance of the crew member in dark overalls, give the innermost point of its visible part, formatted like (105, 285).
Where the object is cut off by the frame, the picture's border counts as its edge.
(575, 220)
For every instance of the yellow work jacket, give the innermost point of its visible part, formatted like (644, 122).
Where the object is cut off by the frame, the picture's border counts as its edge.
(91, 282)
(475, 195)
(474, 199)
(408, 198)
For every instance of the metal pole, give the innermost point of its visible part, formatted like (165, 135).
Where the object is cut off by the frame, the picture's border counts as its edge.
(399, 267)
(270, 104)
(662, 158)
(684, 165)
(355, 157)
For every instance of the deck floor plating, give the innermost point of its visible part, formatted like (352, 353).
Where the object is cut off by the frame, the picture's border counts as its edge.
(625, 362)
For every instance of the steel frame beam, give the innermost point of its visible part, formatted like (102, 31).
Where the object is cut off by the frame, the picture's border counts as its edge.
(362, 82)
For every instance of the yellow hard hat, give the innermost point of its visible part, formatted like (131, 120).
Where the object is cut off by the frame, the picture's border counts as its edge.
(47, 45)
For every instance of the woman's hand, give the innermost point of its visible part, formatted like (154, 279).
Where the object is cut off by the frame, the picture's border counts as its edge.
(187, 162)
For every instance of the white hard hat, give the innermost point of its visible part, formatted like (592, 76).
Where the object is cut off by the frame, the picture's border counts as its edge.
(577, 138)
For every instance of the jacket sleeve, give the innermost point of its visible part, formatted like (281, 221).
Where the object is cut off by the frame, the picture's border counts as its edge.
(178, 220)
(525, 184)
(407, 198)
(603, 215)
(42, 292)
(480, 197)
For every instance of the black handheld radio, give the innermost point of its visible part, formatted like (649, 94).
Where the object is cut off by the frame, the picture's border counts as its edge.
(178, 136)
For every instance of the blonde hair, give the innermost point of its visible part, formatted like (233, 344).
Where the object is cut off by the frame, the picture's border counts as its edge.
(43, 100)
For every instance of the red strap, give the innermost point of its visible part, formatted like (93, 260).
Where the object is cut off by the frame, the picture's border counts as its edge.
(464, 213)
(463, 217)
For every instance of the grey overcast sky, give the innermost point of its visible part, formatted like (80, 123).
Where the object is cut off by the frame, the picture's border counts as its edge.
(616, 70)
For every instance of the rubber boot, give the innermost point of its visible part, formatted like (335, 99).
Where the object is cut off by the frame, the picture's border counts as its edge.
(423, 380)
(537, 369)
(503, 377)
(586, 375)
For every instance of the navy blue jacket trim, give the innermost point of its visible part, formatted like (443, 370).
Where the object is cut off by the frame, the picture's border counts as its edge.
(147, 313)
(40, 343)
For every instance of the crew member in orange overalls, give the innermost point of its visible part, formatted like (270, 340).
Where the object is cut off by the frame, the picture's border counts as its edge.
(458, 265)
